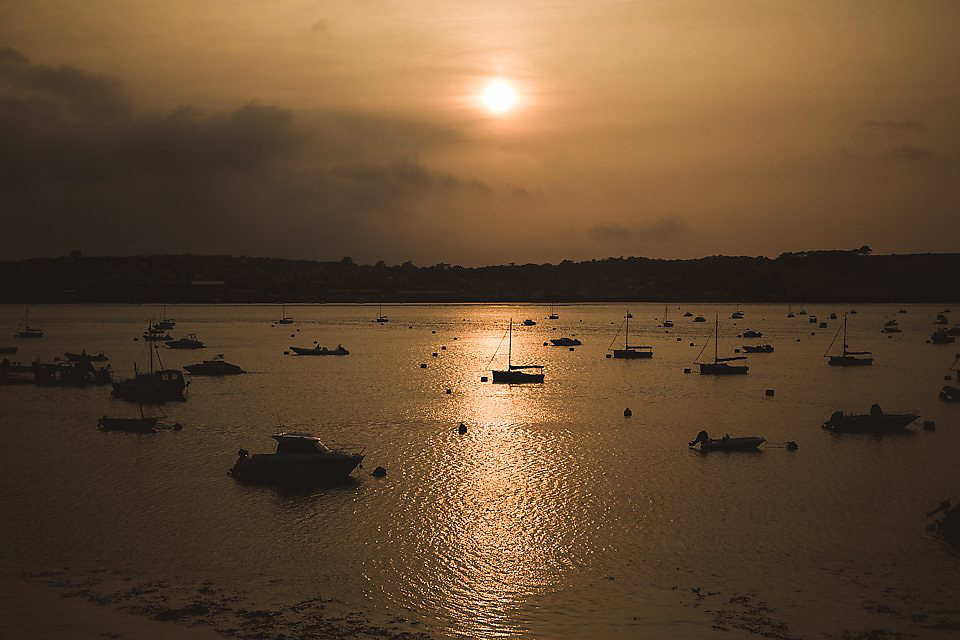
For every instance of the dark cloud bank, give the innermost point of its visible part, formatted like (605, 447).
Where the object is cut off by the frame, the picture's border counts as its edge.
(80, 167)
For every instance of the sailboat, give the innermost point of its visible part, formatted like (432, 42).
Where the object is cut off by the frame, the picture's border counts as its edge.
(28, 332)
(720, 366)
(284, 318)
(790, 313)
(143, 424)
(803, 312)
(846, 358)
(952, 394)
(515, 373)
(553, 314)
(630, 350)
(737, 315)
(667, 323)
(165, 323)
(153, 387)
(380, 317)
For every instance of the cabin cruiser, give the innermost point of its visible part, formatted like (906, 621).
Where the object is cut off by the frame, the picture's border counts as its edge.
(762, 348)
(156, 335)
(687, 315)
(83, 356)
(892, 329)
(188, 341)
(565, 342)
(320, 351)
(299, 458)
(726, 443)
(216, 367)
(874, 422)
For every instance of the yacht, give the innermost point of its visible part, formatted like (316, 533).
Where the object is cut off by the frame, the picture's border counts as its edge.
(516, 373)
(28, 331)
(667, 322)
(284, 318)
(153, 386)
(216, 367)
(874, 422)
(631, 351)
(720, 366)
(299, 458)
(846, 358)
(380, 317)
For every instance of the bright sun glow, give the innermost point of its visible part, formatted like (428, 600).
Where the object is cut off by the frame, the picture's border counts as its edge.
(499, 97)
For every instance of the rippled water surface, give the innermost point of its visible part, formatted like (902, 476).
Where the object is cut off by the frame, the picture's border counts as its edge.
(554, 516)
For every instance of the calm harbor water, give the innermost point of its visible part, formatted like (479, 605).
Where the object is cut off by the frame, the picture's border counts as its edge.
(553, 517)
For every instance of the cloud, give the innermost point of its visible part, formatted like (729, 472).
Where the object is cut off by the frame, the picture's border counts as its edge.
(895, 126)
(910, 154)
(634, 237)
(80, 167)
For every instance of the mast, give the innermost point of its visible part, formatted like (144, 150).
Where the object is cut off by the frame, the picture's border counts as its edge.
(844, 335)
(150, 349)
(510, 345)
(626, 333)
(716, 338)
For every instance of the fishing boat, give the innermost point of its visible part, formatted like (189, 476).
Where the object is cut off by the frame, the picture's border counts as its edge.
(846, 358)
(812, 319)
(763, 348)
(942, 336)
(629, 351)
(143, 424)
(152, 387)
(874, 422)
(516, 373)
(28, 331)
(726, 443)
(320, 351)
(83, 356)
(189, 341)
(299, 458)
(284, 318)
(553, 314)
(380, 317)
(833, 316)
(216, 367)
(719, 366)
(667, 322)
(565, 342)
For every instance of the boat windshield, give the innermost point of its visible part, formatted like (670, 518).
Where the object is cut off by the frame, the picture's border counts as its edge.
(300, 445)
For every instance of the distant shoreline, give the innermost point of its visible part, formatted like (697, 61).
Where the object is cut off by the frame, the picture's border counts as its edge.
(812, 277)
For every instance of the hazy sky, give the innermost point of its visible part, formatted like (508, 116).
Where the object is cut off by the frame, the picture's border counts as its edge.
(325, 129)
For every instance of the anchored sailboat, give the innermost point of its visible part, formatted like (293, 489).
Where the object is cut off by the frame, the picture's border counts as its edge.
(27, 331)
(284, 318)
(515, 373)
(630, 350)
(553, 314)
(380, 317)
(846, 358)
(719, 366)
(667, 323)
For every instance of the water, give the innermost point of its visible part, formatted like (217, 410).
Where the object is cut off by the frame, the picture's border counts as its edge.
(554, 516)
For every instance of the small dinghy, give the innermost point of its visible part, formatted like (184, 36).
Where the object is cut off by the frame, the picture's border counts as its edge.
(875, 422)
(726, 443)
(320, 351)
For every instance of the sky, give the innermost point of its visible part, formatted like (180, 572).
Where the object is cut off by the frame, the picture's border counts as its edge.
(318, 130)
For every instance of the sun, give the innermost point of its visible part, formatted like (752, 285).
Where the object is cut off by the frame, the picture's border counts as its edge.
(499, 97)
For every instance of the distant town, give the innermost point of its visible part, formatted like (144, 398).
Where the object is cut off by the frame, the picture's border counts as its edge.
(855, 275)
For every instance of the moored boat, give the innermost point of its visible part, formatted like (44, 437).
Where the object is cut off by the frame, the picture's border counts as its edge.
(726, 443)
(69, 374)
(750, 333)
(941, 336)
(565, 342)
(876, 421)
(514, 373)
(28, 331)
(152, 387)
(216, 367)
(630, 351)
(720, 366)
(189, 341)
(761, 348)
(299, 459)
(83, 356)
(8, 350)
(846, 358)
(320, 351)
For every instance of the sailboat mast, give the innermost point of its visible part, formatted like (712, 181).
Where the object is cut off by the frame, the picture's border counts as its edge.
(716, 337)
(626, 332)
(844, 335)
(510, 345)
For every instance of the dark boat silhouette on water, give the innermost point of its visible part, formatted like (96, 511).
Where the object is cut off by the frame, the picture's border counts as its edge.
(300, 458)
(515, 373)
(143, 424)
(876, 422)
(152, 387)
(28, 331)
(630, 351)
(719, 366)
(846, 358)
(320, 351)
(69, 374)
(565, 342)
(726, 443)
(83, 356)
(948, 393)
(761, 348)
(189, 341)
(216, 367)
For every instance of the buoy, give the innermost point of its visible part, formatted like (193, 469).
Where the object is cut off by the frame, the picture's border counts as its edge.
(792, 446)
(423, 365)
(433, 332)
(929, 425)
(454, 338)
(571, 348)
(798, 339)
(813, 333)
(483, 378)
(691, 344)
(434, 354)
(627, 413)
(687, 370)
(736, 350)
(292, 335)
(379, 472)
(136, 339)
(449, 391)
(298, 330)
(609, 356)
(769, 393)
(462, 429)
(679, 339)
(443, 348)
(545, 344)
(286, 353)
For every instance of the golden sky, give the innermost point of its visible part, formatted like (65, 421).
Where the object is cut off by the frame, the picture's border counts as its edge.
(323, 129)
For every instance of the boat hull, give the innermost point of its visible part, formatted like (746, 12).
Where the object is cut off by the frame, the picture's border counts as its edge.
(517, 377)
(722, 369)
(309, 351)
(732, 444)
(631, 354)
(269, 468)
(220, 369)
(876, 424)
(152, 388)
(849, 361)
